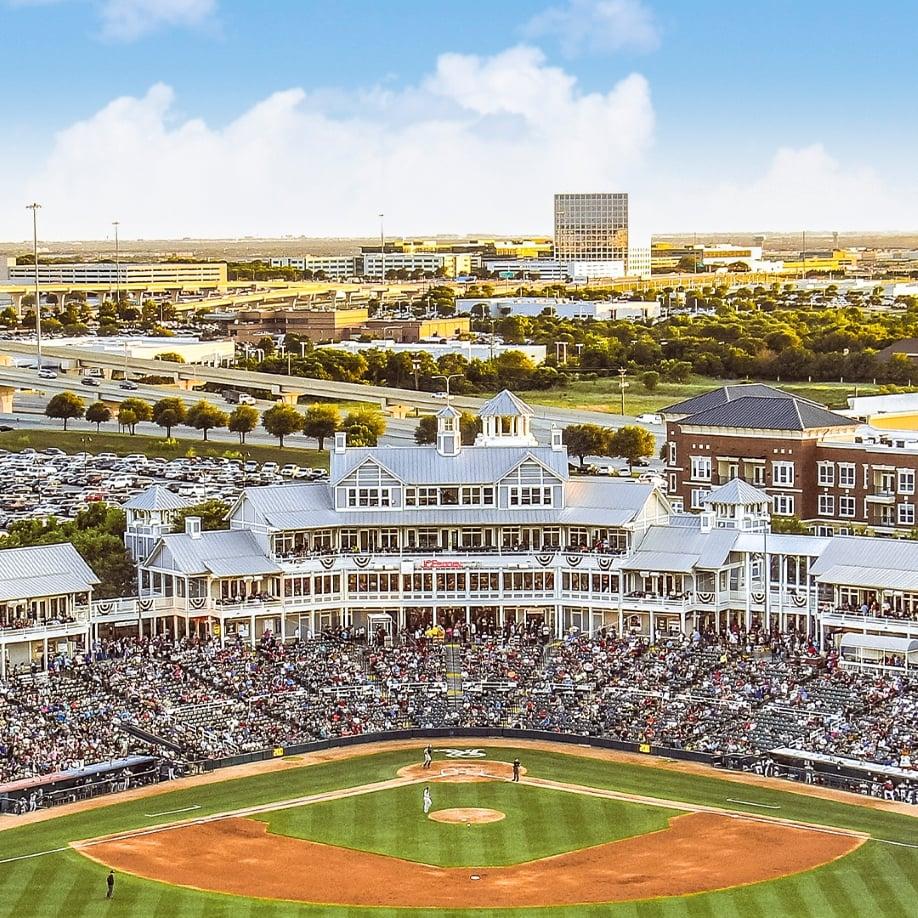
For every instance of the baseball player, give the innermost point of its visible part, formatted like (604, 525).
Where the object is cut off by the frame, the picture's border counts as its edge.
(428, 800)
(516, 770)
(428, 755)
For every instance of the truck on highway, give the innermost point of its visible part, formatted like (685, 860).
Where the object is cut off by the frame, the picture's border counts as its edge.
(235, 397)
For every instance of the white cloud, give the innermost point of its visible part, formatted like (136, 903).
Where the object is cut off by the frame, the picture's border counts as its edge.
(128, 20)
(481, 143)
(802, 187)
(596, 25)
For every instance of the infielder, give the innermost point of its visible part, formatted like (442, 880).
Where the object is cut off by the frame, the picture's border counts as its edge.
(516, 770)
(428, 755)
(428, 800)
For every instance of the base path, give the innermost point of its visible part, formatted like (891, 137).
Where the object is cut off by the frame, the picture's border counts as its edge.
(240, 857)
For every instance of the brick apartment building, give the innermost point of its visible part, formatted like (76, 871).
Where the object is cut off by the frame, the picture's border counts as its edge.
(819, 466)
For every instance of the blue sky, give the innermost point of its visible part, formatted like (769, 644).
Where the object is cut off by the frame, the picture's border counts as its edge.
(224, 117)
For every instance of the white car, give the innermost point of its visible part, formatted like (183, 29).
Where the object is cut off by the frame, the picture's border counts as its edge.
(45, 373)
(290, 470)
(650, 419)
(269, 468)
(438, 394)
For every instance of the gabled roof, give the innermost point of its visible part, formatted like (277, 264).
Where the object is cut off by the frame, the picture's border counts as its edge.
(222, 553)
(738, 493)
(156, 497)
(681, 549)
(768, 413)
(717, 397)
(43, 570)
(505, 405)
(870, 555)
(423, 465)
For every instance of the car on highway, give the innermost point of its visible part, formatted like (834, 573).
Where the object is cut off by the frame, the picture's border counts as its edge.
(438, 394)
(128, 384)
(650, 418)
(89, 381)
(45, 373)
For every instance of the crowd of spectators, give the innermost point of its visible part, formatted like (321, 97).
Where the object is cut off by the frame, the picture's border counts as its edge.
(737, 695)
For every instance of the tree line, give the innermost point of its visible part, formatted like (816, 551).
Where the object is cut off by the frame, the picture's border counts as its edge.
(364, 426)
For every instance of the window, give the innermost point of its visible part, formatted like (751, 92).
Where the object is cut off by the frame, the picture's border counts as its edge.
(758, 475)
(846, 474)
(906, 514)
(530, 497)
(906, 481)
(699, 495)
(701, 468)
(672, 453)
(847, 505)
(784, 505)
(782, 473)
(826, 474)
(826, 505)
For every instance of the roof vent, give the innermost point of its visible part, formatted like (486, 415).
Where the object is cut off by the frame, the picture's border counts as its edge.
(340, 442)
(193, 527)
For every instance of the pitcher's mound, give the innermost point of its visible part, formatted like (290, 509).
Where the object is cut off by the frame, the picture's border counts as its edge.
(467, 814)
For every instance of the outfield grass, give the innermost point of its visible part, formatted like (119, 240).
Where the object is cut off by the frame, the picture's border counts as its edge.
(73, 441)
(876, 880)
(603, 394)
(538, 823)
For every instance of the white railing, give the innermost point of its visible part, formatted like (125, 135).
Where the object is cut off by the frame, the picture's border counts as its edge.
(870, 622)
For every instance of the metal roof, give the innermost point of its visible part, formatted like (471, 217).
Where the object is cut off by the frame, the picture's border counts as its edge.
(782, 543)
(879, 642)
(223, 553)
(683, 547)
(43, 570)
(505, 405)
(737, 492)
(877, 577)
(717, 397)
(156, 497)
(659, 561)
(868, 553)
(423, 465)
(768, 413)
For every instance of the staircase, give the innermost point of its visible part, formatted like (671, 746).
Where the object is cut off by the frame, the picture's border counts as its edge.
(453, 662)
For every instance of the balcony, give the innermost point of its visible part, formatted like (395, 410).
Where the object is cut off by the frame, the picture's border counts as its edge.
(36, 631)
(843, 618)
(881, 496)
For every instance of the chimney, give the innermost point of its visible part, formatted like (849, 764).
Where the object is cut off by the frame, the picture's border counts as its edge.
(340, 442)
(557, 439)
(193, 526)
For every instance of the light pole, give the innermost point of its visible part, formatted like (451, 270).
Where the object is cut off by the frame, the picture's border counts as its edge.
(118, 269)
(622, 385)
(447, 380)
(34, 208)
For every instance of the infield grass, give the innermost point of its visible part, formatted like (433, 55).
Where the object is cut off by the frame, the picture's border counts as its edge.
(876, 880)
(538, 823)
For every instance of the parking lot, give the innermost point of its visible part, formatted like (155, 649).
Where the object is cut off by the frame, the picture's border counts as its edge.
(52, 483)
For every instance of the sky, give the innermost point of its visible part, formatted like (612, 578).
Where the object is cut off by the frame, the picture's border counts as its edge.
(226, 118)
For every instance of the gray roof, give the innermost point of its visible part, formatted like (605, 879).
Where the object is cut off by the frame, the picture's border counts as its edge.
(222, 553)
(782, 543)
(717, 397)
(423, 465)
(589, 502)
(878, 578)
(43, 570)
(737, 492)
(879, 642)
(683, 548)
(863, 552)
(505, 405)
(156, 497)
(768, 413)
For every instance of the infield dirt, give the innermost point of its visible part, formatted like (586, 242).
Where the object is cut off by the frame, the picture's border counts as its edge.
(698, 852)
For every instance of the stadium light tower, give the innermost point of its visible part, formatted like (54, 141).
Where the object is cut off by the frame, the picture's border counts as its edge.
(117, 268)
(34, 207)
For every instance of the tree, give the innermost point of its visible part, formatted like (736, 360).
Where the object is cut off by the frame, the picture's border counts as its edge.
(204, 416)
(170, 357)
(321, 422)
(650, 380)
(212, 514)
(584, 440)
(364, 426)
(132, 411)
(243, 420)
(469, 428)
(98, 413)
(632, 443)
(169, 412)
(65, 405)
(127, 418)
(281, 420)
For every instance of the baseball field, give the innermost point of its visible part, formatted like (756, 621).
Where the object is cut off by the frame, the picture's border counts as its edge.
(583, 832)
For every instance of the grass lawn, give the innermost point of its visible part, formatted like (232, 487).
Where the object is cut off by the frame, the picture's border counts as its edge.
(73, 441)
(538, 823)
(603, 394)
(876, 880)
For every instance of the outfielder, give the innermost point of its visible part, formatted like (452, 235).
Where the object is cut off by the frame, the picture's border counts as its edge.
(428, 800)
